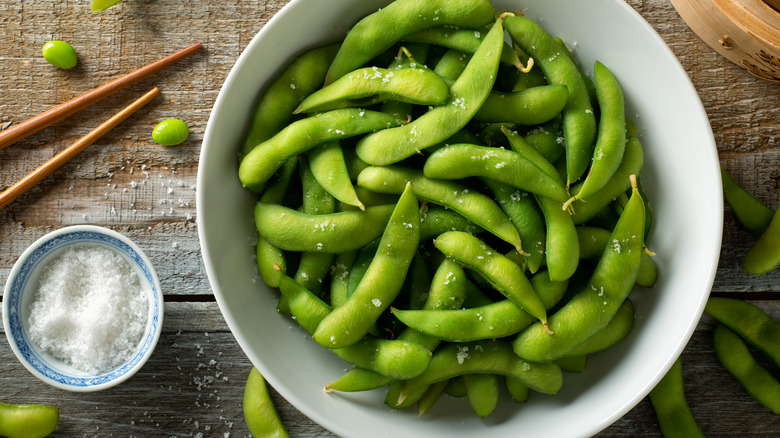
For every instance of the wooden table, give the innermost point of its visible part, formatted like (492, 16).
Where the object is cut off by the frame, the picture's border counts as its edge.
(193, 384)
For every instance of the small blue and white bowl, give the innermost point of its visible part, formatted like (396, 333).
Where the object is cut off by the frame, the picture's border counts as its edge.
(23, 281)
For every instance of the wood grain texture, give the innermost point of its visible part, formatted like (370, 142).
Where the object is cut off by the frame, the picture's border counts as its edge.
(193, 384)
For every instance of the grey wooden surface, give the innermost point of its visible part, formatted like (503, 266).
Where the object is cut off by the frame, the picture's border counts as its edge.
(193, 384)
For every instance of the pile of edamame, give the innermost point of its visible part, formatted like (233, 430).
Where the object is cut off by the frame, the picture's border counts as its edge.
(446, 211)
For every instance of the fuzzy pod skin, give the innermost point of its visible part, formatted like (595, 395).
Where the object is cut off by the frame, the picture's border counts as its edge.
(382, 282)
(259, 411)
(591, 309)
(439, 123)
(334, 233)
(378, 31)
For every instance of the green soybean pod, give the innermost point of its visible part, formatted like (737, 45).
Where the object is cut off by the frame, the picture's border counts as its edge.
(530, 153)
(362, 261)
(457, 161)
(486, 357)
(437, 220)
(591, 309)
(462, 40)
(735, 356)
(274, 111)
(611, 138)
(431, 396)
(170, 132)
(571, 363)
(764, 255)
(300, 136)
(633, 158)
(548, 140)
(517, 389)
(259, 412)
(358, 379)
(451, 64)
(269, 256)
(488, 321)
(753, 214)
(439, 123)
(339, 277)
(593, 240)
(60, 54)
(482, 393)
(668, 398)
(532, 106)
(330, 170)
(417, 86)
(614, 332)
(750, 322)
(291, 230)
(395, 359)
(382, 282)
(522, 210)
(562, 247)
(28, 421)
(579, 121)
(472, 205)
(378, 31)
(505, 275)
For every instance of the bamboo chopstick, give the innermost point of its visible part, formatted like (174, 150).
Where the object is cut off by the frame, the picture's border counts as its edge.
(59, 112)
(26, 183)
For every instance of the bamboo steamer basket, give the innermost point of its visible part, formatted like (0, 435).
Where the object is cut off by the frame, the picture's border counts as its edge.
(747, 32)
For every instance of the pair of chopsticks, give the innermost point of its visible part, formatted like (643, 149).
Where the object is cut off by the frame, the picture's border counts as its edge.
(35, 124)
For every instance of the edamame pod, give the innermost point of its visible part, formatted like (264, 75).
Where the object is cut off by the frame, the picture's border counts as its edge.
(439, 123)
(302, 135)
(358, 379)
(486, 357)
(259, 412)
(505, 275)
(462, 40)
(633, 158)
(481, 392)
(764, 255)
(332, 233)
(330, 170)
(532, 106)
(750, 212)
(437, 220)
(579, 121)
(28, 421)
(410, 85)
(457, 161)
(611, 138)
(451, 65)
(735, 356)
(593, 240)
(562, 247)
(340, 276)
(431, 395)
(517, 390)
(750, 322)
(490, 321)
(304, 75)
(395, 359)
(571, 363)
(472, 205)
(591, 309)
(617, 329)
(668, 399)
(378, 31)
(380, 285)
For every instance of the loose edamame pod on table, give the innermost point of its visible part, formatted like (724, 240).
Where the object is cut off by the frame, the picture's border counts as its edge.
(668, 399)
(259, 411)
(735, 356)
(750, 212)
(591, 309)
(579, 121)
(749, 322)
(467, 94)
(28, 421)
(764, 255)
(378, 31)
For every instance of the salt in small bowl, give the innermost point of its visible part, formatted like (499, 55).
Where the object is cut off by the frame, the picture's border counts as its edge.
(19, 292)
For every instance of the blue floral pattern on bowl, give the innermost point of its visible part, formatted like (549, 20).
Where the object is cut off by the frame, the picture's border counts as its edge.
(31, 261)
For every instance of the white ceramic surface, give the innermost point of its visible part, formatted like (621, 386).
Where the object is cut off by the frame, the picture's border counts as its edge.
(681, 177)
(20, 290)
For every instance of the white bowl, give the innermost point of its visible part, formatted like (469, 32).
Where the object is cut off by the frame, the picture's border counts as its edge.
(23, 282)
(681, 178)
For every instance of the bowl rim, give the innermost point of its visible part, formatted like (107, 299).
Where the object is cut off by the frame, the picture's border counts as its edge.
(43, 368)
(692, 317)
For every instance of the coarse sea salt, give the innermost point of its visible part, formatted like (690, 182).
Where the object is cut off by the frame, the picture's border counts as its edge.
(90, 309)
